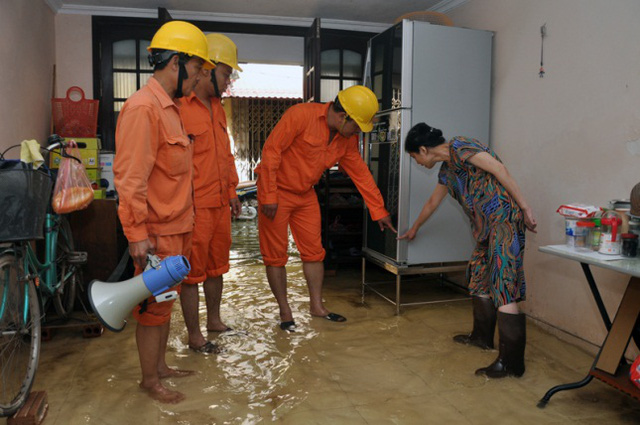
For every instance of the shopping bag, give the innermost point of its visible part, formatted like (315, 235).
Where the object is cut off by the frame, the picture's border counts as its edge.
(75, 118)
(73, 190)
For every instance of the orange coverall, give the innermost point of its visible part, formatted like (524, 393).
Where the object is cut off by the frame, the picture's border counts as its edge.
(215, 181)
(294, 157)
(153, 176)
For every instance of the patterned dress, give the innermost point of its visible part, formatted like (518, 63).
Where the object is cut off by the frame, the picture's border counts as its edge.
(496, 265)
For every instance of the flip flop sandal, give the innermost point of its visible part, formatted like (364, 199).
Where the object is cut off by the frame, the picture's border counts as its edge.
(334, 317)
(214, 331)
(207, 348)
(288, 326)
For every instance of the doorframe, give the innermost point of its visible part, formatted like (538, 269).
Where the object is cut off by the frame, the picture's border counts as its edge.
(106, 28)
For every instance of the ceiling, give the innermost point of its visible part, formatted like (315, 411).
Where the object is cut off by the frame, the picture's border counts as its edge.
(336, 13)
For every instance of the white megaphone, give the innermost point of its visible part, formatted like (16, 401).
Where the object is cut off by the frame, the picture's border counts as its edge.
(113, 301)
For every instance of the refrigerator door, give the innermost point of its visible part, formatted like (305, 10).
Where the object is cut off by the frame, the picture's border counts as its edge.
(450, 75)
(382, 154)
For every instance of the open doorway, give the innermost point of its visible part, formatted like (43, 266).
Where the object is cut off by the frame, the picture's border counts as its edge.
(255, 101)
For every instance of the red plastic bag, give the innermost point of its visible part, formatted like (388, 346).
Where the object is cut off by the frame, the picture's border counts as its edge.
(634, 372)
(73, 190)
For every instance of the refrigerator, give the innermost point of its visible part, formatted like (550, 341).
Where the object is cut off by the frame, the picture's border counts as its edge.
(423, 73)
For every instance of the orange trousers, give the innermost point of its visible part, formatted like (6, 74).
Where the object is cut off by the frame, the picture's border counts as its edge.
(300, 213)
(153, 313)
(211, 244)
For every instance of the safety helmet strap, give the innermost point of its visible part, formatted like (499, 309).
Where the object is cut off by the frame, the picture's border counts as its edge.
(182, 73)
(215, 81)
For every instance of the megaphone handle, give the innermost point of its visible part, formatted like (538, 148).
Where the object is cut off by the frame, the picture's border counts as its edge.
(153, 261)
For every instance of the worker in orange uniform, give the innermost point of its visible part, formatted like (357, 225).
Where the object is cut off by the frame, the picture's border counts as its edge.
(215, 199)
(153, 174)
(310, 138)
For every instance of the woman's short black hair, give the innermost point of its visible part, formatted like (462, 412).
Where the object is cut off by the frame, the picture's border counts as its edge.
(422, 135)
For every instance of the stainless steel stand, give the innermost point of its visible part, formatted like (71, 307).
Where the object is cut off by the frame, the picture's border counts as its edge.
(403, 270)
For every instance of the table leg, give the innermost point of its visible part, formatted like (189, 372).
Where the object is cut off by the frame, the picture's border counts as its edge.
(611, 354)
(596, 295)
(544, 400)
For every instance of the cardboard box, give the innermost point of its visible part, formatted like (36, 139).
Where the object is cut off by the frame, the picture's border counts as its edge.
(94, 177)
(89, 158)
(106, 161)
(91, 142)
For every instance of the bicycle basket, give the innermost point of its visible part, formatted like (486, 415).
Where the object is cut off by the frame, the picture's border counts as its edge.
(73, 118)
(24, 198)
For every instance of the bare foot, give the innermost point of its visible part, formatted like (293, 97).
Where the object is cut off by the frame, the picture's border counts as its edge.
(175, 373)
(319, 312)
(163, 394)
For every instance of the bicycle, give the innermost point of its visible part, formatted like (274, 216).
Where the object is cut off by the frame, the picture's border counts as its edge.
(28, 286)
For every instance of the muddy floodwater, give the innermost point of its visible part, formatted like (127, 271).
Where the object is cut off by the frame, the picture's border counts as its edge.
(377, 368)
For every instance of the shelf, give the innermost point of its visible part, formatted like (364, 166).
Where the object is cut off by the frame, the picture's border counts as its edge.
(619, 381)
(343, 207)
(343, 190)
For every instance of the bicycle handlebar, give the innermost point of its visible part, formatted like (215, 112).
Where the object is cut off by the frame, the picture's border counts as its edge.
(54, 142)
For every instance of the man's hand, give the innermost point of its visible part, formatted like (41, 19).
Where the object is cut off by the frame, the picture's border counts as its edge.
(236, 207)
(385, 223)
(139, 251)
(269, 210)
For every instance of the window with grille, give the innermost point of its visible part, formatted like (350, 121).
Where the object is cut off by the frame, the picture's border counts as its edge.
(131, 70)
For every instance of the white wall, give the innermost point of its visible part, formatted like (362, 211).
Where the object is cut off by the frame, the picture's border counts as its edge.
(565, 137)
(74, 60)
(27, 49)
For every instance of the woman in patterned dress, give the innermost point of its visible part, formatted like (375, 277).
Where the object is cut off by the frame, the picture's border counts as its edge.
(475, 177)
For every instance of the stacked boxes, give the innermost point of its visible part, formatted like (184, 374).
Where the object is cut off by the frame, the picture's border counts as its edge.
(106, 165)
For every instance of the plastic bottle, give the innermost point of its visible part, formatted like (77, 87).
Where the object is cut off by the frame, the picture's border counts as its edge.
(595, 241)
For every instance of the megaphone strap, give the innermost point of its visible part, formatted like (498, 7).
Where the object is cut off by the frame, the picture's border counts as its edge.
(143, 306)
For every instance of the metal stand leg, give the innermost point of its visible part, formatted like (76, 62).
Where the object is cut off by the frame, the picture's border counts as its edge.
(398, 284)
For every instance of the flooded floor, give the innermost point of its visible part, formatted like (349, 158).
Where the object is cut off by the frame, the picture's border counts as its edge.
(377, 368)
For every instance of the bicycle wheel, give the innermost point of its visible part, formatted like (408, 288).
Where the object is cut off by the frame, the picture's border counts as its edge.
(19, 335)
(69, 274)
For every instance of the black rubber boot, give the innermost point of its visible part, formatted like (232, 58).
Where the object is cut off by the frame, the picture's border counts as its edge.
(513, 338)
(484, 324)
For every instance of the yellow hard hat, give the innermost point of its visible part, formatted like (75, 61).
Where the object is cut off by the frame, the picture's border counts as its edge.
(223, 50)
(360, 104)
(182, 37)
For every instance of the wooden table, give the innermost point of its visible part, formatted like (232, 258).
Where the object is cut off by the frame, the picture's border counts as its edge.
(610, 365)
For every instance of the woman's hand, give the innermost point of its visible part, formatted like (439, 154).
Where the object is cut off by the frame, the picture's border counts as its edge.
(410, 234)
(529, 220)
